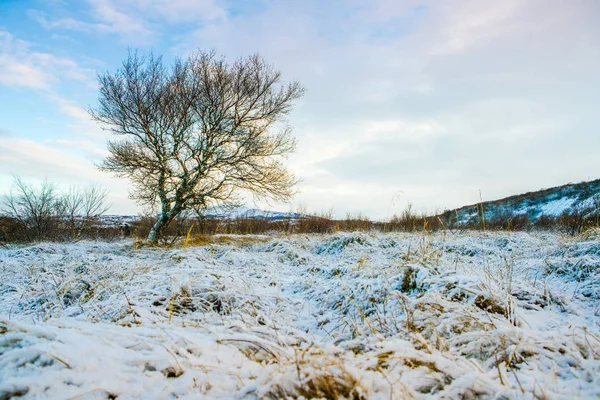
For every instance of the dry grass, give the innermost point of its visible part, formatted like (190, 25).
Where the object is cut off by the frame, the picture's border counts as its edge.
(206, 240)
(397, 312)
(315, 376)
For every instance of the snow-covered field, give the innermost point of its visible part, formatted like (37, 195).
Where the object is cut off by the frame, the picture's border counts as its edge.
(348, 315)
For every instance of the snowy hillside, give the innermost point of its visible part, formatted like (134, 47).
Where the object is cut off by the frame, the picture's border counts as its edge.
(581, 198)
(213, 212)
(245, 212)
(116, 220)
(355, 316)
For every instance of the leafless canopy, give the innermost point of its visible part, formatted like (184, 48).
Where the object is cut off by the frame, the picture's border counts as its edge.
(43, 211)
(36, 209)
(197, 134)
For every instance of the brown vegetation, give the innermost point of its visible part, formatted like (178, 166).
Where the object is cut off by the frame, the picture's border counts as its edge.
(200, 231)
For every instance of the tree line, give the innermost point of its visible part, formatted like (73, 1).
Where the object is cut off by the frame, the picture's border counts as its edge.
(35, 213)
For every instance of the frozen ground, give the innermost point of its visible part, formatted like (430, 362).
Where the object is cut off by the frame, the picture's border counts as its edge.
(348, 315)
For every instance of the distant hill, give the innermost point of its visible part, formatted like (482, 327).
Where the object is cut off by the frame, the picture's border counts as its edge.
(245, 212)
(212, 212)
(573, 199)
(570, 199)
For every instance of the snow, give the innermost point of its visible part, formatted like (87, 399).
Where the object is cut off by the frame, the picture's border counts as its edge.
(112, 219)
(211, 212)
(348, 315)
(245, 212)
(557, 207)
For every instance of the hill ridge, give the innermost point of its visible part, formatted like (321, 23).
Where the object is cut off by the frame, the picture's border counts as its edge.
(572, 198)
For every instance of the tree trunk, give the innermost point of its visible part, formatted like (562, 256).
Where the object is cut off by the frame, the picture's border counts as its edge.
(163, 221)
(156, 231)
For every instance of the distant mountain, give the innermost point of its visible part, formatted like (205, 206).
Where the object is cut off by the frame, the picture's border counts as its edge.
(116, 220)
(574, 198)
(212, 212)
(245, 212)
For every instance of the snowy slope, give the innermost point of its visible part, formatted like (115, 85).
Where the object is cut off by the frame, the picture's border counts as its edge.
(245, 212)
(348, 315)
(568, 199)
(116, 220)
(212, 212)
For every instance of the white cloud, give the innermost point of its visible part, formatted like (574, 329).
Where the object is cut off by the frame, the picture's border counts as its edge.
(35, 161)
(81, 124)
(468, 23)
(175, 11)
(16, 67)
(31, 158)
(64, 23)
(22, 66)
(107, 19)
(133, 19)
(463, 95)
(115, 20)
(91, 149)
(5, 133)
(437, 99)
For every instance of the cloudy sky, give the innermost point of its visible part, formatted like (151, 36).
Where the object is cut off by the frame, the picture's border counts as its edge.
(426, 102)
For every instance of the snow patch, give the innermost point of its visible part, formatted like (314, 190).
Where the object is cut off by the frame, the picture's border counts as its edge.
(348, 315)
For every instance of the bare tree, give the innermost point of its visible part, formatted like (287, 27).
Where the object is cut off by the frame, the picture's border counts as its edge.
(81, 206)
(197, 134)
(36, 209)
(43, 212)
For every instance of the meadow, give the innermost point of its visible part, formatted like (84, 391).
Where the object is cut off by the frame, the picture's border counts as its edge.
(344, 315)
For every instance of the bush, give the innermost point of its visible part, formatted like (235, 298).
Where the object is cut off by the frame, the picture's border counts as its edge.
(10, 230)
(43, 213)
